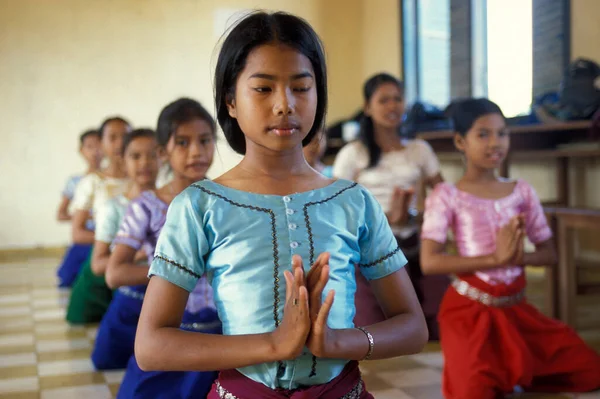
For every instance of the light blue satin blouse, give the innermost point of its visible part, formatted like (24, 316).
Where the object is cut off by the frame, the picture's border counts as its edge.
(244, 242)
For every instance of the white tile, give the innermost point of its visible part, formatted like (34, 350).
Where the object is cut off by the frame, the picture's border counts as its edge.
(43, 273)
(49, 314)
(18, 359)
(44, 292)
(411, 377)
(14, 299)
(92, 332)
(43, 282)
(431, 359)
(86, 391)
(54, 302)
(64, 367)
(15, 324)
(54, 328)
(114, 377)
(390, 394)
(57, 345)
(16, 339)
(25, 384)
(6, 311)
(8, 281)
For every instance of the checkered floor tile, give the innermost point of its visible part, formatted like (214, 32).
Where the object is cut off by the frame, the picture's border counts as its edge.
(41, 356)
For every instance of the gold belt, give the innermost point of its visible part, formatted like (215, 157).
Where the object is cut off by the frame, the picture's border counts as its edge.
(467, 290)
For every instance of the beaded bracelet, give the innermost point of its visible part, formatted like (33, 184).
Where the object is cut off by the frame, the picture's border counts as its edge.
(371, 342)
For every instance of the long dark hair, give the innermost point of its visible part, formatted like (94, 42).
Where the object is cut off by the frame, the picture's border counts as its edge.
(367, 131)
(252, 31)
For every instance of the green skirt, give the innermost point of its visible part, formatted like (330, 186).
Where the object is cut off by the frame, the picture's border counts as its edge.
(90, 297)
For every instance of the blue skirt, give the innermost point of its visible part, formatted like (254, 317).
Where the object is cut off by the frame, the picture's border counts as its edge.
(116, 333)
(74, 258)
(138, 384)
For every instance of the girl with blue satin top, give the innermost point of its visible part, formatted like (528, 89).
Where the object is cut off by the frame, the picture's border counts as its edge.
(277, 240)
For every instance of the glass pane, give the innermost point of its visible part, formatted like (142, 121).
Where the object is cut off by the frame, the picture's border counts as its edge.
(409, 30)
(510, 54)
(479, 75)
(434, 51)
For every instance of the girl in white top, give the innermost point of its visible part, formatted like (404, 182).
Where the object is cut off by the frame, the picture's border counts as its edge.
(390, 168)
(381, 161)
(96, 188)
(90, 296)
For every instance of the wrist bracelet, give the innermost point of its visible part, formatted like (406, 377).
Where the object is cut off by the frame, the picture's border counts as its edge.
(371, 342)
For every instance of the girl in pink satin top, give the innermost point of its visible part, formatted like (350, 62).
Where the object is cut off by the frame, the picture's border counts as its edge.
(475, 222)
(494, 342)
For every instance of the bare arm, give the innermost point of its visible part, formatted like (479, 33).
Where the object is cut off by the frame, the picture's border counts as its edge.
(122, 269)
(81, 235)
(403, 333)
(63, 210)
(161, 345)
(435, 260)
(544, 255)
(434, 180)
(100, 256)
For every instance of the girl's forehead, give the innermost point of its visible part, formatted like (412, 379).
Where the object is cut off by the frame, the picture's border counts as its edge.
(194, 126)
(494, 120)
(277, 60)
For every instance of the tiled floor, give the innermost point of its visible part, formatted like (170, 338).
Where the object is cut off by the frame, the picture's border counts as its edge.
(43, 357)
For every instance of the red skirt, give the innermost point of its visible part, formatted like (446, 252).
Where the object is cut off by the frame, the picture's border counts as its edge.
(490, 350)
(349, 382)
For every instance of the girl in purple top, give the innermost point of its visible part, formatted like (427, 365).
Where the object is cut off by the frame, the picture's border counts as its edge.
(186, 132)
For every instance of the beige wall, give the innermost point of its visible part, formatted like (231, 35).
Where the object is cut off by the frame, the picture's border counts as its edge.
(66, 64)
(381, 37)
(362, 37)
(585, 29)
(341, 31)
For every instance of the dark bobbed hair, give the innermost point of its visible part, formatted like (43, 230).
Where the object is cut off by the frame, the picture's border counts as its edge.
(86, 134)
(136, 134)
(465, 112)
(110, 120)
(367, 130)
(256, 29)
(178, 112)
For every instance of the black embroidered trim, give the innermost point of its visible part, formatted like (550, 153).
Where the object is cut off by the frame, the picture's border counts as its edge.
(276, 299)
(380, 260)
(307, 220)
(313, 369)
(178, 265)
